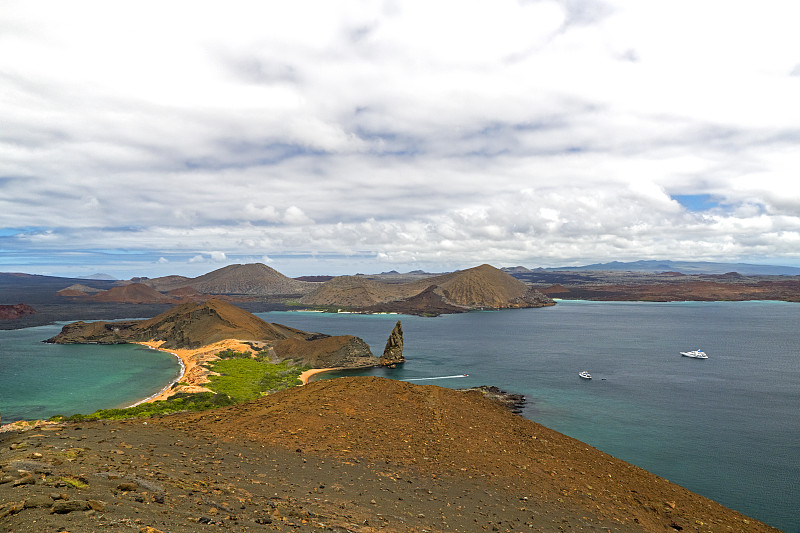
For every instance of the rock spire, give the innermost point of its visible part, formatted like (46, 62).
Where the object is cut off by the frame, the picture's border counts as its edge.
(393, 353)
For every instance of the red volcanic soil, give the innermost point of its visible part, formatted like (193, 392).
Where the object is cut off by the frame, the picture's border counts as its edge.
(12, 312)
(134, 293)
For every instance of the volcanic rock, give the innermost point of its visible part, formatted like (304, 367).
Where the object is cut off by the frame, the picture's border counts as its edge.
(393, 352)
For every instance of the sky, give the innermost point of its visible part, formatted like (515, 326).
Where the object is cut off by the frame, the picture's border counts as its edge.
(333, 137)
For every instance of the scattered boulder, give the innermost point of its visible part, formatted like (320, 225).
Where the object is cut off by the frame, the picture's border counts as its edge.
(69, 506)
(127, 486)
(38, 501)
(7, 509)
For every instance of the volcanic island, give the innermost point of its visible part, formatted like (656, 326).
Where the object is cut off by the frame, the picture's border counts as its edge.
(351, 454)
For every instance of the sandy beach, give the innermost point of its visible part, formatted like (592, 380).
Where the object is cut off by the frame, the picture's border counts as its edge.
(305, 376)
(194, 375)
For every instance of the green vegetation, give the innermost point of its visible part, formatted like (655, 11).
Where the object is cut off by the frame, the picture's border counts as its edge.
(180, 402)
(242, 377)
(232, 354)
(73, 482)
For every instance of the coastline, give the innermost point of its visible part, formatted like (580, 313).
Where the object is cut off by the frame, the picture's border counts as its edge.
(193, 375)
(306, 376)
(169, 385)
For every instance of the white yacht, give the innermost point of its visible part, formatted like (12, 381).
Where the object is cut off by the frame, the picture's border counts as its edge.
(695, 354)
(585, 375)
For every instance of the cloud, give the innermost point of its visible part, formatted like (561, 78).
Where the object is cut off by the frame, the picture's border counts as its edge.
(535, 132)
(209, 257)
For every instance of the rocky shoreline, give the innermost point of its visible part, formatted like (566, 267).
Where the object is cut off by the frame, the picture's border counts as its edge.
(511, 401)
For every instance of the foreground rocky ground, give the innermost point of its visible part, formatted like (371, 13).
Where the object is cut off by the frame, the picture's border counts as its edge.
(351, 454)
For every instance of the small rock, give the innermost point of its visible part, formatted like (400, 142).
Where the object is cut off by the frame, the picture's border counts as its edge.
(27, 479)
(68, 506)
(97, 505)
(148, 529)
(10, 508)
(204, 520)
(38, 501)
(128, 486)
(6, 479)
(59, 496)
(263, 520)
(158, 498)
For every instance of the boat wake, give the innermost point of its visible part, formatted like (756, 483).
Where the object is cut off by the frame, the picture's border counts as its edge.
(438, 377)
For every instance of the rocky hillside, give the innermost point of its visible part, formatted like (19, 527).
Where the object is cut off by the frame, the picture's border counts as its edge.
(193, 325)
(482, 287)
(459, 435)
(254, 279)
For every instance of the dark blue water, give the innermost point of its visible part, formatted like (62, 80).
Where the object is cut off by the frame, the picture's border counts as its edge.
(39, 380)
(727, 427)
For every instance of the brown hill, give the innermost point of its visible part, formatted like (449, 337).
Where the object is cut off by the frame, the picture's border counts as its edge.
(460, 435)
(134, 293)
(78, 290)
(487, 287)
(192, 325)
(253, 279)
(356, 292)
(482, 287)
(426, 303)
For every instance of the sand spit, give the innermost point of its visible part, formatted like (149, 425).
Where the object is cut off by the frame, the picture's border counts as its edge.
(194, 375)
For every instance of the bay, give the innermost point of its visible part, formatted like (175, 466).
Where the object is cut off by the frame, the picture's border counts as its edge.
(39, 380)
(727, 427)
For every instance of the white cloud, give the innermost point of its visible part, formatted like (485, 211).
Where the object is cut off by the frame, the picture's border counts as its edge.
(539, 132)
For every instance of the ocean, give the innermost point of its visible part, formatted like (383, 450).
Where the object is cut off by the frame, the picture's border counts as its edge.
(39, 380)
(727, 427)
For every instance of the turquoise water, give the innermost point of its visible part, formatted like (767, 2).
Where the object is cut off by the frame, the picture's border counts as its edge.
(39, 380)
(727, 427)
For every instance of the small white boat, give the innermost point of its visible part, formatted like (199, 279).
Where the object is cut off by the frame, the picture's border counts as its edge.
(585, 375)
(695, 354)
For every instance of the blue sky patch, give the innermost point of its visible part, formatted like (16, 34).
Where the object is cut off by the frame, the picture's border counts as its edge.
(696, 202)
